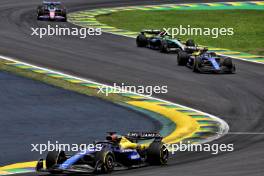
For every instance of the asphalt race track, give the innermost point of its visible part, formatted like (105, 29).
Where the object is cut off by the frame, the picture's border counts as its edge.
(237, 98)
(35, 113)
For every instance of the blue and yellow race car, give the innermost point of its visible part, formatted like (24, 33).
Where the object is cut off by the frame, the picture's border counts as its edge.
(116, 151)
(203, 61)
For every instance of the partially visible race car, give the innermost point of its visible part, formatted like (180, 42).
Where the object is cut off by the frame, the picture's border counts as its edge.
(160, 40)
(203, 61)
(116, 151)
(54, 11)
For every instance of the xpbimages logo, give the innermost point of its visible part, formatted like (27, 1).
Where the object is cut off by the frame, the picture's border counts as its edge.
(57, 146)
(61, 31)
(146, 90)
(197, 31)
(190, 147)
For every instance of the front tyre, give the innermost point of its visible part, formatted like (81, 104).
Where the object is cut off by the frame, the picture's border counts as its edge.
(197, 64)
(53, 158)
(106, 161)
(229, 65)
(228, 62)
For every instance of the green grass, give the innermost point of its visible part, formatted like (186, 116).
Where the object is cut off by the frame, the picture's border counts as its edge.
(61, 83)
(248, 25)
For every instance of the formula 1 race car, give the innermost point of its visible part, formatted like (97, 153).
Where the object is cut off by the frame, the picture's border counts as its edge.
(51, 11)
(203, 61)
(116, 152)
(160, 40)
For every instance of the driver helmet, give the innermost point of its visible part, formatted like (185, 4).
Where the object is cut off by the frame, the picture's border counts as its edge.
(114, 137)
(162, 33)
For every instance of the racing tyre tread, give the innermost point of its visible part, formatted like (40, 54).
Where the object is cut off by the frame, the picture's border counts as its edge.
(157, 154)
(141, 40)
(106, 158)
(196, 65)
(182, 58)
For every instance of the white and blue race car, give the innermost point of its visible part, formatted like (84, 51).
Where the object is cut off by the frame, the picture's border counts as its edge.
(54, 11)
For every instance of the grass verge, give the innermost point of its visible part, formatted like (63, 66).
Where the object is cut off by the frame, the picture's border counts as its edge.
(248, 25)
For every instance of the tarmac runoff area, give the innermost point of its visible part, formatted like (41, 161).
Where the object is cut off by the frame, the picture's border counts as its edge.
(33, 113)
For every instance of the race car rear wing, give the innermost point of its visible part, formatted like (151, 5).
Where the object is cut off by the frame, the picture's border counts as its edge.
(151, 31)
(144, 135)
(196, 48)
(51, 2)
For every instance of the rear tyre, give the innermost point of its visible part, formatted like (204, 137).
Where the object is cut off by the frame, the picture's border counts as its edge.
(182, 58)
(141, 40)
(157, 154)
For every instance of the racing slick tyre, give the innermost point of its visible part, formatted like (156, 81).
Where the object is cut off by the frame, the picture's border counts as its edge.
(53, 158)
(64, 14)
(39, 12)
(164, 48)
(197, 64)
(227, 62)
(190, 42)
(106, 161)
(157, 154)
(65, 19)
(141, 40)
(182, 58)
(38, 16)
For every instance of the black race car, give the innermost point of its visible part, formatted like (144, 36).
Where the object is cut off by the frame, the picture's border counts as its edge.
(54, 11)
(116, 152)
(203, 61)
(160, 40)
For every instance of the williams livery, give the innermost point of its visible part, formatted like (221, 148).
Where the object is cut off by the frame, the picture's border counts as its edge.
(203, 61)
(160, 40)
(51, 11)
(116, 152)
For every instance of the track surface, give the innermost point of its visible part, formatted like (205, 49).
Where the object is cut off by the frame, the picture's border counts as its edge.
(33, 113)
(237, 98)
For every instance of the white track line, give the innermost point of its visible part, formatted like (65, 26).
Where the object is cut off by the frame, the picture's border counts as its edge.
(247, 133)
(238, 58)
